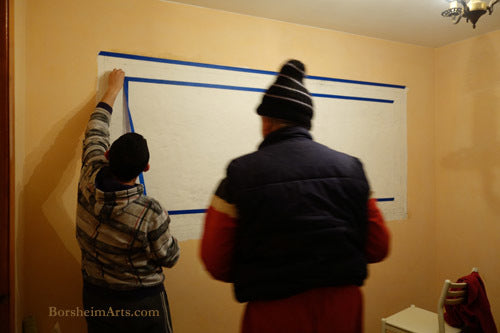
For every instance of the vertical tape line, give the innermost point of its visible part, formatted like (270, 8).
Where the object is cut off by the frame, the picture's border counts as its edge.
(125, 91)
(131, 124)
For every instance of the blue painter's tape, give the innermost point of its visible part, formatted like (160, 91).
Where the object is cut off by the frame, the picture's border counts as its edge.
(131, 124)
(185, 63)
(195, 84)
(355, 98)
(261, 90)
(202, 211)
(386, 85)
(125, 92)
(240, 69)
(187, 211)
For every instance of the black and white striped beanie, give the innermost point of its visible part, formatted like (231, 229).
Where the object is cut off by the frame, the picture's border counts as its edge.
(287, 98)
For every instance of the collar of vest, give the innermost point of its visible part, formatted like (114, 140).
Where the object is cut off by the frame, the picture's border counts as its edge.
(285, 133)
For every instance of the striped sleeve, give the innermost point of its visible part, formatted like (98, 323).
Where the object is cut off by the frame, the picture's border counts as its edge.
(164, 247)
(96, 141)
(378, 237)
(217, 243)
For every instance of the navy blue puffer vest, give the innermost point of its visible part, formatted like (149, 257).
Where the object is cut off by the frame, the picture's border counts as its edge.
(302, 217)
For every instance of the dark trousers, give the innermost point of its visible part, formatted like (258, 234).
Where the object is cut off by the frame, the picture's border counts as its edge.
(144, 310)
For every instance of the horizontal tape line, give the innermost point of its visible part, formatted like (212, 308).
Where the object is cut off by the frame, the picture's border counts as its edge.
(239, 69)
(186, 211)
(366, 83)
(202, 211)
(193, 84)
(238, 88)
(355, 98)
(184, 63)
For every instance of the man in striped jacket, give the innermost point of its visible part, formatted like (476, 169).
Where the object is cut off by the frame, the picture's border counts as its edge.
(123, 234)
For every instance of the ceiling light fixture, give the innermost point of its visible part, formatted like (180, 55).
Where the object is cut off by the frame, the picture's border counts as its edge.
(471, 11)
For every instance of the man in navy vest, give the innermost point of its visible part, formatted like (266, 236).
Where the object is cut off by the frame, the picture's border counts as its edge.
(292, 225)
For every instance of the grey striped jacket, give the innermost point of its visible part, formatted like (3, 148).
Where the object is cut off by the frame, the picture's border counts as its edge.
(124, 236)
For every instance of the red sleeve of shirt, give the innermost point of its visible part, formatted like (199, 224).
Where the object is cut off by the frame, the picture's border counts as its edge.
(217, 243)
(377, 240)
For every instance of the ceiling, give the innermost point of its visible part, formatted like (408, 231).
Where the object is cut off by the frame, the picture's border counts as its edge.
(415, 22)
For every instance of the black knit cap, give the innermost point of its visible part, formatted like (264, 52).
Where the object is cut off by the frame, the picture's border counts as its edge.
(287, 98)
(128, 156)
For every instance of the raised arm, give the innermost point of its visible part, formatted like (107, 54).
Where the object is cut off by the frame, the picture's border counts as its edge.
(96, 140)
(115, 84)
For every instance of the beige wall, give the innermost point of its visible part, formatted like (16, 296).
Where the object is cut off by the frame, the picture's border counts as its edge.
(58, 42)
(468, 161)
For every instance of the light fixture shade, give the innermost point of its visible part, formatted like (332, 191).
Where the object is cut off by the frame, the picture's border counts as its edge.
(454, 10)
(475, 5)
(472, 10)
(477, 8)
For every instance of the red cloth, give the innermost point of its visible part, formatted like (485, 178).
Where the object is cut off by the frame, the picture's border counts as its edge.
(377, 235)
(475, 313)
(217, 243)
(330, 309)
(321, 310)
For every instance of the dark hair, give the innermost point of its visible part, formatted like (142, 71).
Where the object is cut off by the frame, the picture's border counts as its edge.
(128, 156)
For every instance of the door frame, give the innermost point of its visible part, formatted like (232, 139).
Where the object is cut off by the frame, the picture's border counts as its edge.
(6, 297)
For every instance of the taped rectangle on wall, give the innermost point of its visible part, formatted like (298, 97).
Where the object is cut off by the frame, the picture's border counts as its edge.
(197, 117)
